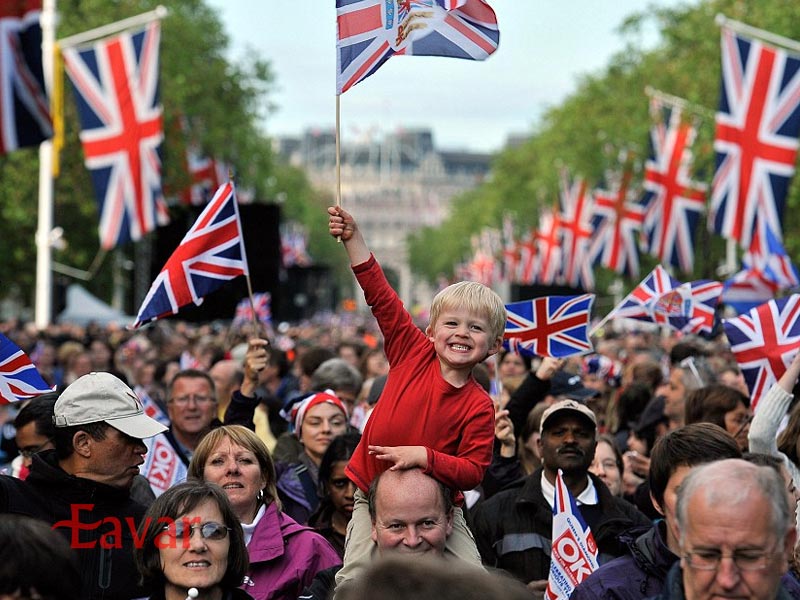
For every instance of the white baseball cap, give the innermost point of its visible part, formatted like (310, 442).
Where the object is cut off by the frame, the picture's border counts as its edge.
(99, 397)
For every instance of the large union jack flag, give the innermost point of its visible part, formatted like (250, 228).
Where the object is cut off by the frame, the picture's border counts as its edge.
(19, 379)
(211, 253)
(764, 341)
(756, 138)
(555, 326)
(24, 108)
(617, 225)
(116, 90)
(369, 32)
(575, 227)
(689, 307)
(639, 303)
(674, 202)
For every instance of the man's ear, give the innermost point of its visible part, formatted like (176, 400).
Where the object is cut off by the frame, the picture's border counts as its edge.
(374, 534)
(449, 524)
(82, 444)
(656, 505)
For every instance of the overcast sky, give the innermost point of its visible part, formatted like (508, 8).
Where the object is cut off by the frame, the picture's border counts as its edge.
(545, 46)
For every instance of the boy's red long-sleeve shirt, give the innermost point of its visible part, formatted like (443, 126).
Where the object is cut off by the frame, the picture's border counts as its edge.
(417, 406)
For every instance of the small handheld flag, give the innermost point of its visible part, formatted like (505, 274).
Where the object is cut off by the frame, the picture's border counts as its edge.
(764, 341)
(19, 379)
(211, 253)
(555, 326)
(574, 553)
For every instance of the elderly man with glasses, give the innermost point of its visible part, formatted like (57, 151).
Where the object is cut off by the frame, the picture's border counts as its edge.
(736, 532)
(192, 411)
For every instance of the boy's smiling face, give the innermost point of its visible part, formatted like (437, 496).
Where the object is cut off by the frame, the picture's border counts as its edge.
(461, 338)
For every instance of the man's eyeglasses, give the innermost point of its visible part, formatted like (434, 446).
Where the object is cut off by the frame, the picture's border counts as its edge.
(200, 400)
(183, 530)
(29, 451)
(745, 560)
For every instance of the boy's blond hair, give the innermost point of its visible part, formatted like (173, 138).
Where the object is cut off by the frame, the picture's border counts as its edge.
(477, 299)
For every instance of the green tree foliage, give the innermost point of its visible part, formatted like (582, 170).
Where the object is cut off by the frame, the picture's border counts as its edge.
(224, 103)
(606, 115)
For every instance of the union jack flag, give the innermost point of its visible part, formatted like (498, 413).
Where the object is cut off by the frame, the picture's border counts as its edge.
(369, 32)
(548, 247)
(116, 90)
(747, 289)
(19, 379)
(689, 307)
(511, 255)
(639, 303)
(756, 138)
(211, 253)
(207, 175)
(528, 263)
(576, 230)
(764, 341)
(574, 551)
(244, 311)
(555, 326)
(24, 108)
(674, 202)
(617, 224)
(768, 255)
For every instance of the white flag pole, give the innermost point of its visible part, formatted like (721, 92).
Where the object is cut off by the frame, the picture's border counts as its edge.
(762, 34)
(44, 278)
(158, 13)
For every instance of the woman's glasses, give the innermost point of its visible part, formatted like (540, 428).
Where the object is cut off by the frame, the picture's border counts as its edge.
(183, 529)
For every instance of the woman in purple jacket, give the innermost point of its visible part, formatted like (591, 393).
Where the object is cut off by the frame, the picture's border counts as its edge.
(284, 556)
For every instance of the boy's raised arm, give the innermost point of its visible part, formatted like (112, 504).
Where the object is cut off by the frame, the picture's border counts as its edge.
(341, 224)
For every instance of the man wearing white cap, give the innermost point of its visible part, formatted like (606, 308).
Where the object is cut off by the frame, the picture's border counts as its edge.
(513, 528)
(82, 487)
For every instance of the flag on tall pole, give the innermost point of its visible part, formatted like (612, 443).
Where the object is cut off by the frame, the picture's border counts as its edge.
(617, 225)
(576, 231)
(24, 106)
(573, 555)
(369, 32)
(756, 143)
(674, 202)
(211, 253)
(116, 90)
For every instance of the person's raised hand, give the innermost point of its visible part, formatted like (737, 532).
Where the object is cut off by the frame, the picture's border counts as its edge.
(255, 360)
(341, 223)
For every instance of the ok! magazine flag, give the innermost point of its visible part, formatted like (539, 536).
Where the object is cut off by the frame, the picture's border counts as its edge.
(574, 554)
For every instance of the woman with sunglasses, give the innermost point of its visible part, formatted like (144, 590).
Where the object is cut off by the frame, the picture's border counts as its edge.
(192, 545)
(284, 556)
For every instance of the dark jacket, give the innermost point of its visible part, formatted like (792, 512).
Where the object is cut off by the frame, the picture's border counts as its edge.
(639, 574)
(673, 590)
(513, 529)
(90, 515)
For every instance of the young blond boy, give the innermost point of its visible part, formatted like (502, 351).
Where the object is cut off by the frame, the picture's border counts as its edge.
(432, 414)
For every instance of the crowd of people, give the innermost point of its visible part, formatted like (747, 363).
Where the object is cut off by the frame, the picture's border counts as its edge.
(323, 459)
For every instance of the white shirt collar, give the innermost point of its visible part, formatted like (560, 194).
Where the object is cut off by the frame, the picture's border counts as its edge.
(587, 496)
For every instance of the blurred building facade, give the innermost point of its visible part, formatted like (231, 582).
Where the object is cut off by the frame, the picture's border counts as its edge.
(393, 183)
